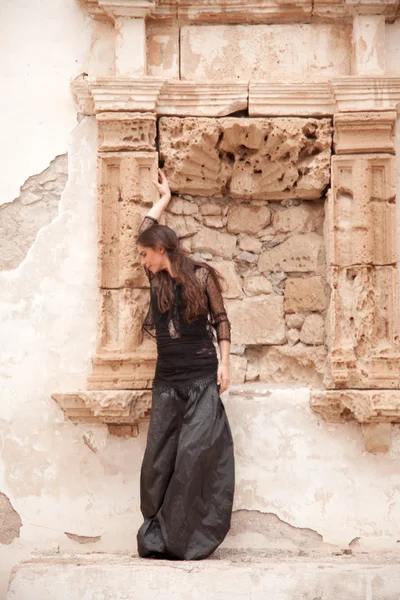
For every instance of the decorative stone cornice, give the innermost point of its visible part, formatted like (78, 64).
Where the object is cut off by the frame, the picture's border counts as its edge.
(187, 98)
(109, 10)
(366, 93)
(303, 99)
(112, 407)
(191, 98)
(234, 11)
(364, 132)
(349, 8)
(126, 94)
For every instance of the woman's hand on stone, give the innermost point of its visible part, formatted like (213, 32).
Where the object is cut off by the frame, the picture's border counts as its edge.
(162, 185)
(223, 377)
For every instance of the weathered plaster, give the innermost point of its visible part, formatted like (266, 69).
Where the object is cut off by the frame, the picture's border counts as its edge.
(42, 50)
(34, 208)
(298, 52)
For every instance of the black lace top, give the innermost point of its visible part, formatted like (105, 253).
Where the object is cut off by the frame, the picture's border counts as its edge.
(186, 350)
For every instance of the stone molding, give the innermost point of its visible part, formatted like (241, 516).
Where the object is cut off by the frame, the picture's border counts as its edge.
(366, 93)
(268, 99)
(240, 11)
(119, 372)
(126, 131)
(364, 132)
(180, 98)
(190, 98)
(122, 407)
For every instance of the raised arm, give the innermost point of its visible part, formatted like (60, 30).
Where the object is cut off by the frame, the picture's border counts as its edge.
(221, 323)
(165, 196)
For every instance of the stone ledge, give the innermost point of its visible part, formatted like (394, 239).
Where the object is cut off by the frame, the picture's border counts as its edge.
(276, 575)
(191, 98)
(240, 11)
(111, 407)
(364, 406)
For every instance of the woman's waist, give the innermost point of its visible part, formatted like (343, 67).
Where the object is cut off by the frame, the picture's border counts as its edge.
(184, 345)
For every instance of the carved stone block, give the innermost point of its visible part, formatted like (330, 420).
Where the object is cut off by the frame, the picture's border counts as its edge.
(108, 406)
(366, 93)
(126, 131)
(251, 158)
(368, 406)
(361, 211)
(125, 183)
(364, 132)
(364, 328)
(120, 319)
(123, 372)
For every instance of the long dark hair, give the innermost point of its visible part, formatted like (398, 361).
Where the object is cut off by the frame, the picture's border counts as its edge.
(160, 236)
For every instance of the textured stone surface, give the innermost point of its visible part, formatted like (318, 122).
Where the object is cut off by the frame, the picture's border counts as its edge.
(306, 294)
(218, 243)
(125, 182)
(105, 406)
(251, 158)
(35, 207)
(121, 313)
(10, 521)
(232, 285)
(257, 284)
(361, 212)
(250, 244)
(248, 219)
(296, 219)
(184, 226)
(126, 131)
(313, 330)
(298, 254)
(295, 52)
(238, 369)
(364, 406)
(299, 364)
(362, 321)
(257, 320)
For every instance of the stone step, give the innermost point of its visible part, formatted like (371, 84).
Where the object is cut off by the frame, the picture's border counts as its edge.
(227, 576)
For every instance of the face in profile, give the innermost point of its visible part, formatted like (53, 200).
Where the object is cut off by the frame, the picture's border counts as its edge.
(152, 258)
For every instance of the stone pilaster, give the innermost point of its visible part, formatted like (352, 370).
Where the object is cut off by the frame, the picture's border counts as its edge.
(363, 323)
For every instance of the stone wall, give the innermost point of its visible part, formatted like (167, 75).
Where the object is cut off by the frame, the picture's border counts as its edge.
(258, 220)
(69, 478)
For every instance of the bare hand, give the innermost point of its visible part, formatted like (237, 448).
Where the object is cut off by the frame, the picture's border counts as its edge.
(162, 184)
(223, 377)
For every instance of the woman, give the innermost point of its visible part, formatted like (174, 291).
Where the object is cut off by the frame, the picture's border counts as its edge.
(187, 476)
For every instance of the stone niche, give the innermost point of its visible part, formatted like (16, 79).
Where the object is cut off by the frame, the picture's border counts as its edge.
(250, 200)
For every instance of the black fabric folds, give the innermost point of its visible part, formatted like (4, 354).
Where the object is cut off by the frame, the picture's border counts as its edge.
(187, 476)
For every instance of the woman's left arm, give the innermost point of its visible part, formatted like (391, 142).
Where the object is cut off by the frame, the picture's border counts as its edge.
(223, 327)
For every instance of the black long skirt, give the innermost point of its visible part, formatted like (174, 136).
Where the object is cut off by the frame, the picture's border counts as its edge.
(187, 476)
